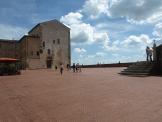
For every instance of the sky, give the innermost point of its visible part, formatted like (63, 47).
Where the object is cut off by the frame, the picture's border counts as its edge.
(102, 31)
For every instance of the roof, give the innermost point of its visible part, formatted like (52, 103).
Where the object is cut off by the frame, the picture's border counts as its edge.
(28, 36)
(8, 40)
(47, 22)
(8, 60)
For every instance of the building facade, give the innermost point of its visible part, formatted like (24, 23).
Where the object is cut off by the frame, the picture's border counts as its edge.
(47, 45)
(9, 48)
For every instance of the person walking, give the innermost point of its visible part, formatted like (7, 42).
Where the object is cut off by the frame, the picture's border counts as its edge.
(68, 67)
(80, 70)
(73, 67)
(77, 67)
(61, 68)
(147, 53)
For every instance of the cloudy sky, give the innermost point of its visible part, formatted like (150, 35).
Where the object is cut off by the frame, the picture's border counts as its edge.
(105, 31)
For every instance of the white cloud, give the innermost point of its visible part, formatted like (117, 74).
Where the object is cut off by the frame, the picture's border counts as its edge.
(80, 32)
(137, 42)
(83, 33)
(137, 11)
(80, 50)
(95, 7)
(100, 54)
(114, 46)
(158, 30)
(11, 32)
(158, 33)
(72, 18)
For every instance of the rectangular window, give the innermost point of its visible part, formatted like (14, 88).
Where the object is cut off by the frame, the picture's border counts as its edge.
(43, 44)
(37, 53)
(58, 41)
(49, 51)
(53, 41)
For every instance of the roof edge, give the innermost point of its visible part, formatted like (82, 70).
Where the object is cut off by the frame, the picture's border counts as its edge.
(8, 40)
(28, 36)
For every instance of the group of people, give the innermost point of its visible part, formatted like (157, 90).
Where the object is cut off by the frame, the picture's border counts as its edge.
(149, 53)
(75, 67)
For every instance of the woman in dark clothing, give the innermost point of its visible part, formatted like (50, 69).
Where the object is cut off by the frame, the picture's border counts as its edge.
(73, 67)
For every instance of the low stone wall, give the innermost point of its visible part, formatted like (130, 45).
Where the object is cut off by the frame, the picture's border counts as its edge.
(108, 65)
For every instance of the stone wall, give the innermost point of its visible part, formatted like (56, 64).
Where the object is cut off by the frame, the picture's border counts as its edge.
(29, 49)
(108, 65)
(56, 38)
(9, 48)
(159, 57)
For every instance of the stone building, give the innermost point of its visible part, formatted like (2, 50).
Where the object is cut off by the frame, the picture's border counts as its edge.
(9, 48)
(47, 45)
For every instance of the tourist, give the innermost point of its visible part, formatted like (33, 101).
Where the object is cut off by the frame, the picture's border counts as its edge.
(73, 67)
(61, 68)
(150, 54)
(80, 70)
(68, 67)
(147, 53)
(77, 67)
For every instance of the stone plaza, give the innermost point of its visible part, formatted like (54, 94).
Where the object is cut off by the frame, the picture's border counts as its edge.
(93, 95)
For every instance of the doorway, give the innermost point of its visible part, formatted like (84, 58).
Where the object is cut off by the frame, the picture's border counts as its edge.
(49, 62)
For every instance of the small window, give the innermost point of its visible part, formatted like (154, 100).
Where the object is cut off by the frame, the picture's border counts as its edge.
(58, 41)
(37, 53)
(49, 51)
(43, 44)
(53, 41)
(0, 45)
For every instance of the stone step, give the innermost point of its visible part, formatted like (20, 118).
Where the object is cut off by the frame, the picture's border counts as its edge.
(139, 69)
(150, 67)
(141, 65)
(135, 74)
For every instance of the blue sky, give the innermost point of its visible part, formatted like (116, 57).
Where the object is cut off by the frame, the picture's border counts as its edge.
(105, 31)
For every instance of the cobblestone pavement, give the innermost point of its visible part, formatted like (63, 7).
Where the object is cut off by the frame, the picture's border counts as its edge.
(94, 95)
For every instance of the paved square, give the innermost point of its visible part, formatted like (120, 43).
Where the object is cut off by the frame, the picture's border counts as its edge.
(94, 95)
